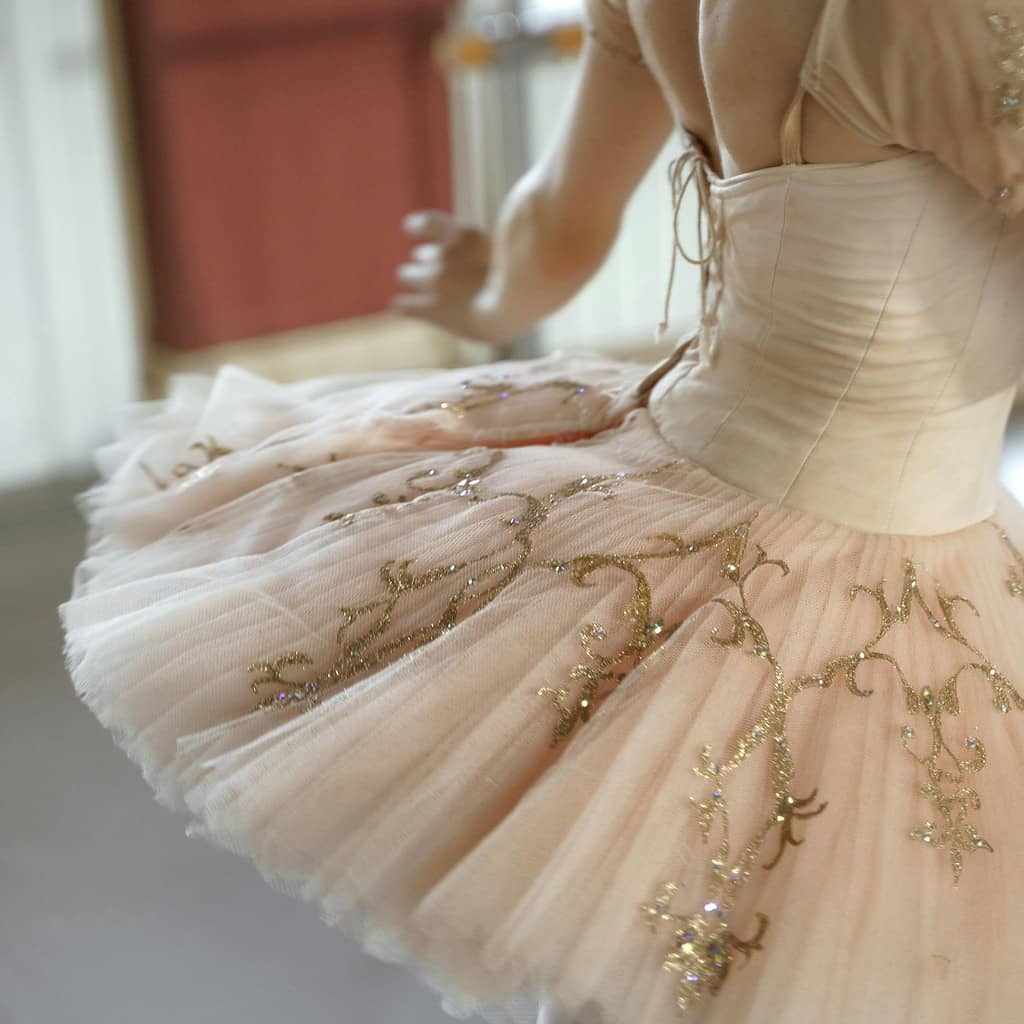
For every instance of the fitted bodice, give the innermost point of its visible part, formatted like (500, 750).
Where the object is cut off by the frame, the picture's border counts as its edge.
(861, 346)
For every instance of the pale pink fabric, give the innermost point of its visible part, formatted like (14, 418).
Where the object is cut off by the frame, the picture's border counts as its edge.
(422, 805)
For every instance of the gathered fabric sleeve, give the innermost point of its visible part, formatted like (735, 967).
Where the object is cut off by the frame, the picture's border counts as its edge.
(607, 22)
(940, 76)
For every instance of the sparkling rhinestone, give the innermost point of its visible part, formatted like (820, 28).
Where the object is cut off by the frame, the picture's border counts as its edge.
(431, 472)
(513, 521)
(692, 978)
(655, 628)
(971, 742)
(820, 681)
(1005, 192)
(453, 568)
(710, 907)
(560, 568)
(908, 732)
(584, 703)
(761, 651)
(861, 655)
(731, 568)
(936, 624)
(993, 671)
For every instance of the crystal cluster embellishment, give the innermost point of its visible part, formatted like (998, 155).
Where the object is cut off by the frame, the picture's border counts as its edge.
(703, 946)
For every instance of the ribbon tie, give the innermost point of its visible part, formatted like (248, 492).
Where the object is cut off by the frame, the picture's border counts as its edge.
(691, 168)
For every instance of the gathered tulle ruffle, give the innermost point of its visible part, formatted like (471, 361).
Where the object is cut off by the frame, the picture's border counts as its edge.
(520, 665)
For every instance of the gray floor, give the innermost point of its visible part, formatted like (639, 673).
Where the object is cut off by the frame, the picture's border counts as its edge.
(108, 913)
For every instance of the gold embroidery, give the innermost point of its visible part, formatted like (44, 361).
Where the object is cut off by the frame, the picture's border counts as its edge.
(1015, 580)
(464, 483)
(210, 448)
(477, 394)
(704, 944)
(644, 630)
(471, 585)
(1009, 55)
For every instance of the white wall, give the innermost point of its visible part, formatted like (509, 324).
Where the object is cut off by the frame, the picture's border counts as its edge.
(69, 351)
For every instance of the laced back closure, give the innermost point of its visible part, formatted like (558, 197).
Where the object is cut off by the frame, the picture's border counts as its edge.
(692, 169)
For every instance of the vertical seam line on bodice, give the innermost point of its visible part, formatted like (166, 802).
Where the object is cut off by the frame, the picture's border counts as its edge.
(768, 328)
(949, 376)
(864, 353)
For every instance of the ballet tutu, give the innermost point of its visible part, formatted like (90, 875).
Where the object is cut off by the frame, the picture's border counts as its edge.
(478, 663)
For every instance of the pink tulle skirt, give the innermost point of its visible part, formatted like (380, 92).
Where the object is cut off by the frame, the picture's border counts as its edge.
(530, 703)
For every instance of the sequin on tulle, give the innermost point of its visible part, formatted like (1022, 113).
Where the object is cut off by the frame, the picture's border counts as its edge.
(1008, 97)
(476, 393)
(367, 638)
(704, 944)
(1015, 577)
(463, 481)
(211, 450)
(608, 662)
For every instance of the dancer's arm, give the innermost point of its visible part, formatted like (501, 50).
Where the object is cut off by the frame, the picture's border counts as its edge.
(558, 223)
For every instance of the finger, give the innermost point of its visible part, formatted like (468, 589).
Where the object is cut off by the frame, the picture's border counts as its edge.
(428, 252)
(419, 277)
(431, 226)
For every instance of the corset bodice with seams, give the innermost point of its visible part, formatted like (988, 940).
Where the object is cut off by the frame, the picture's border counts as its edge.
(860, 343)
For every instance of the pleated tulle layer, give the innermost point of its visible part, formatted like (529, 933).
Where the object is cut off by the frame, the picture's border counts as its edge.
(516, 658)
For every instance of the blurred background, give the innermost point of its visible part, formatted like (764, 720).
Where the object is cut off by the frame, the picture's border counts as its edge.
(185, 183)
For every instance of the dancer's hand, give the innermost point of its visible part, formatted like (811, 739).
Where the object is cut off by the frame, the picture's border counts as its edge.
(443, 281)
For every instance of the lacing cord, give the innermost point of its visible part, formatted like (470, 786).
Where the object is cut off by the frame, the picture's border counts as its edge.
(691, 168)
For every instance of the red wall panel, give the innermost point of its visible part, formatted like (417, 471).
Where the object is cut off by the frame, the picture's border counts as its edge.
(280, 146)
